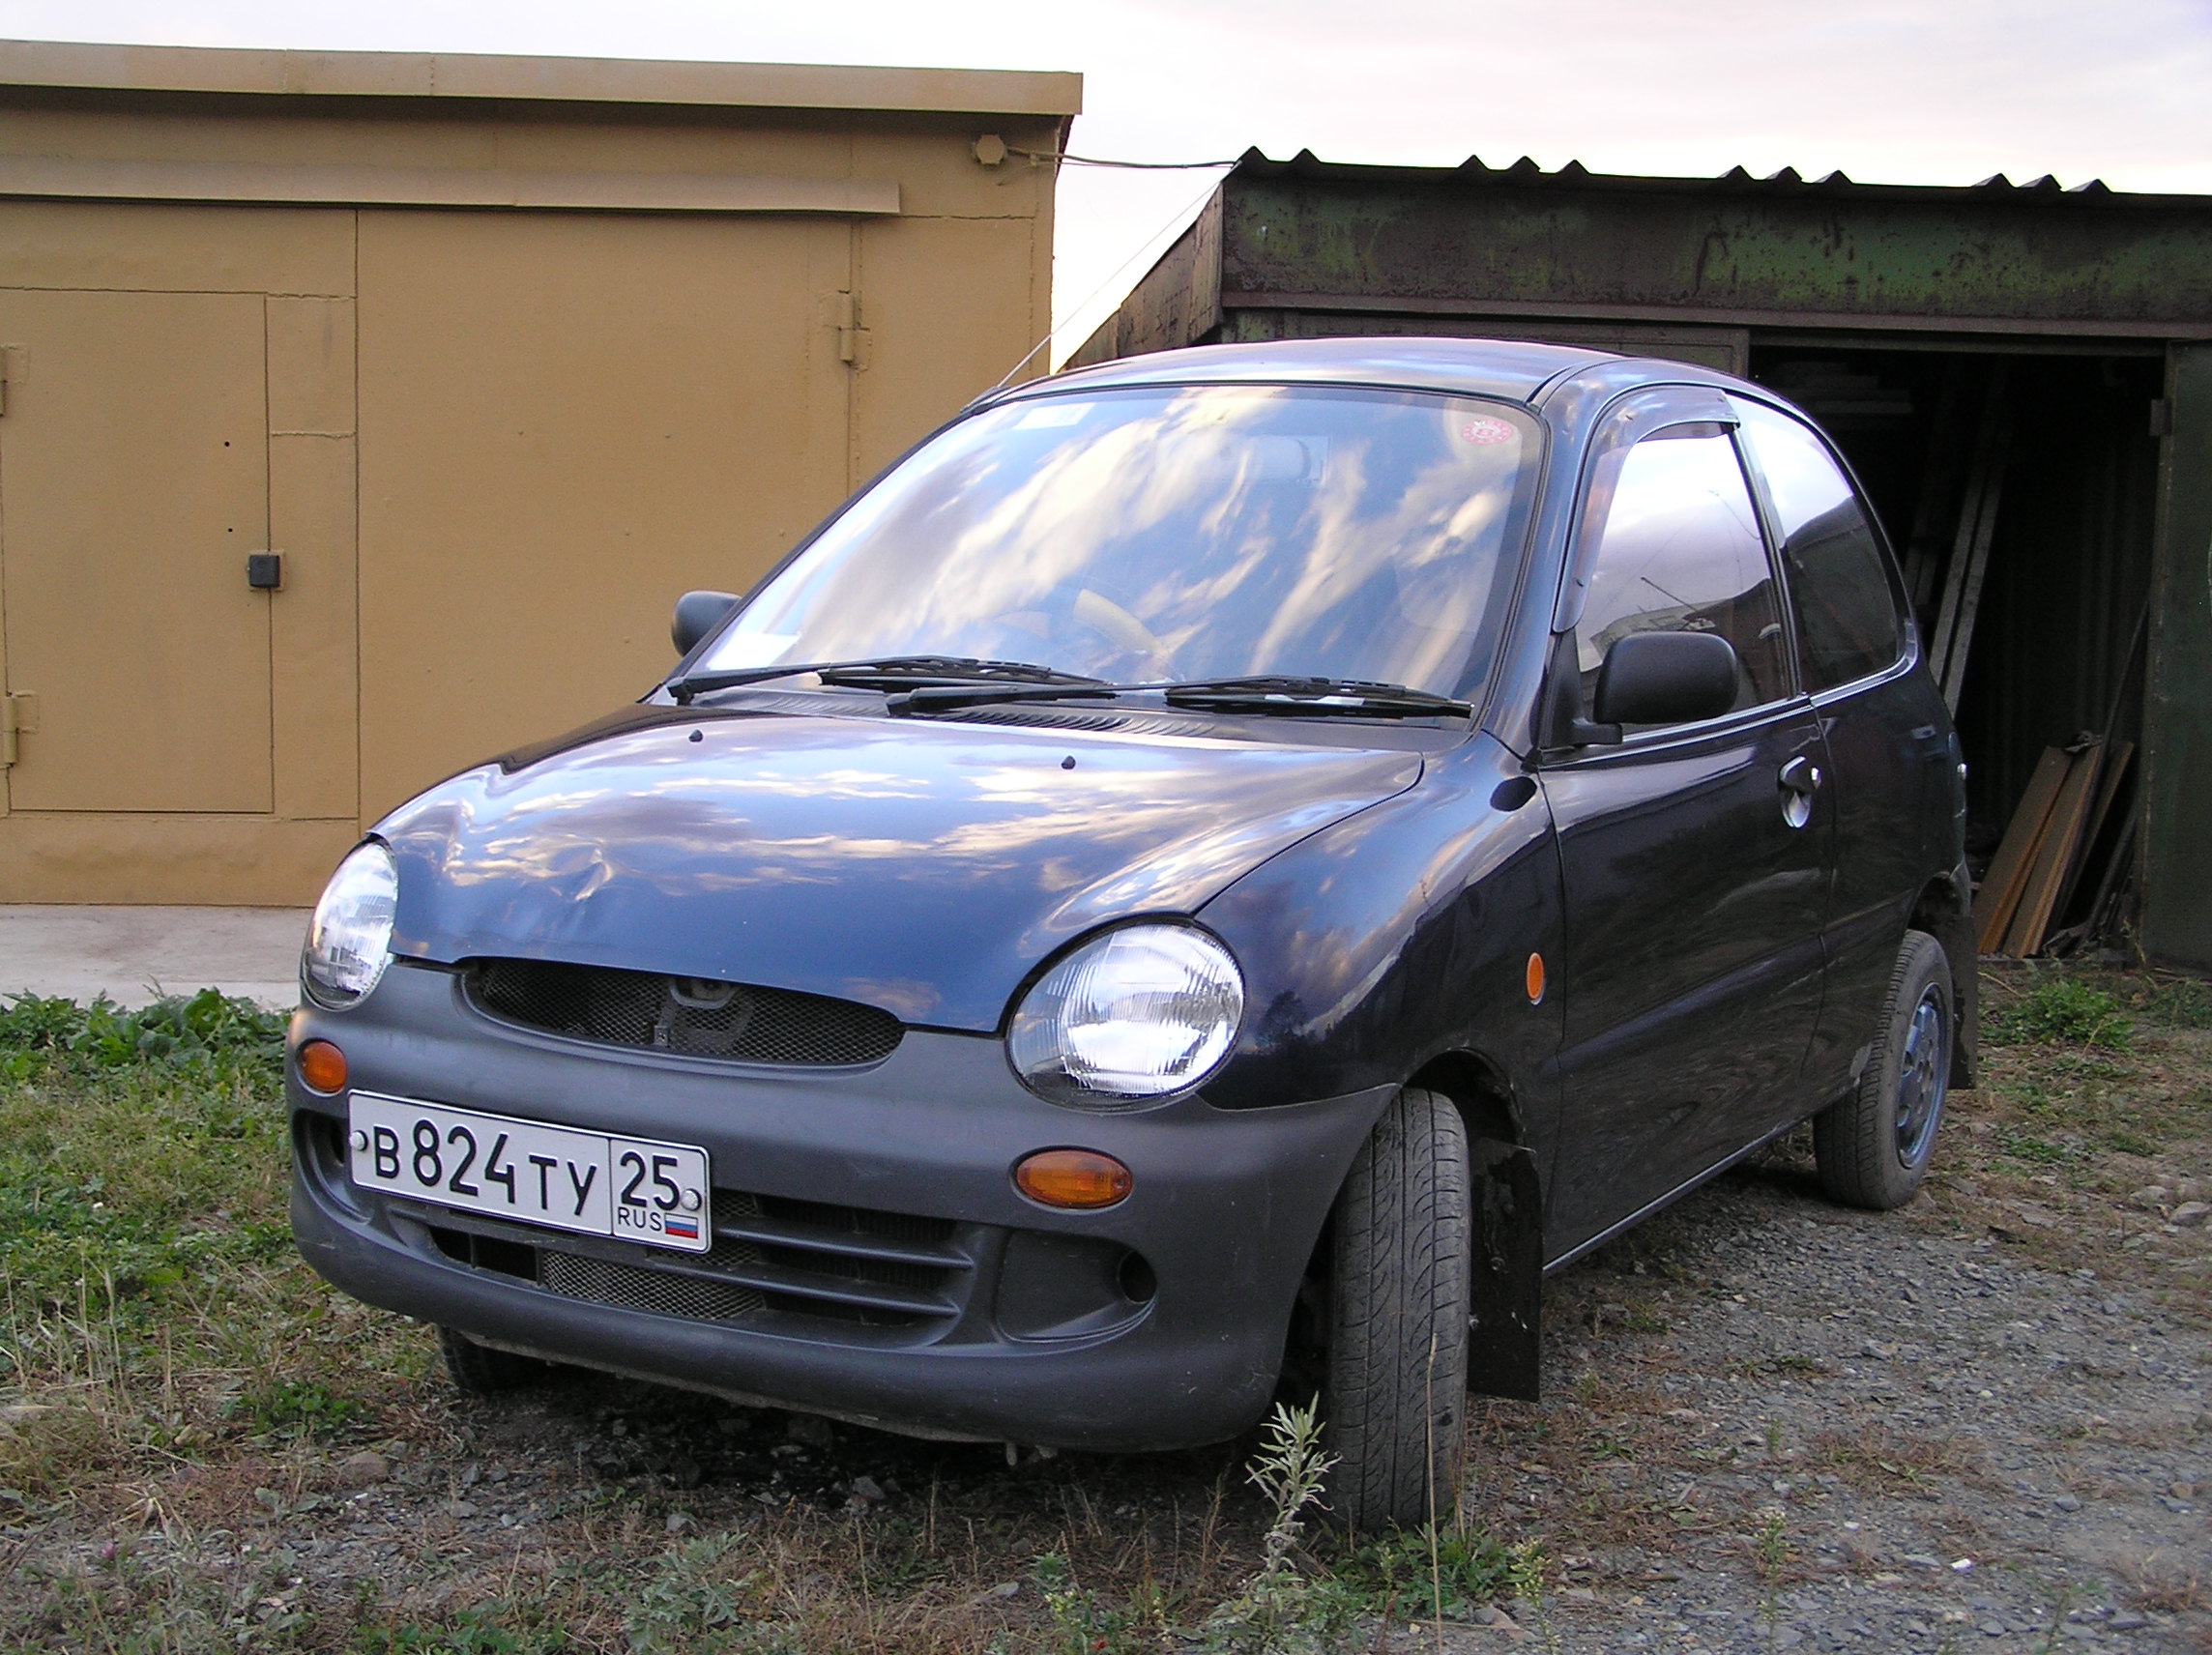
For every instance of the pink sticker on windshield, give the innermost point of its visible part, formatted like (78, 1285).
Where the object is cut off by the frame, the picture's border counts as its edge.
(1487, 432)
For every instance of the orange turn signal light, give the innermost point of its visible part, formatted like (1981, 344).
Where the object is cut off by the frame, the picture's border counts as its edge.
(1080, 1178)
(322, 1067)
(1535, 979)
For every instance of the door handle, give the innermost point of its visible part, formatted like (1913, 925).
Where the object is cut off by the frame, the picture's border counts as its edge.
(1800, 781)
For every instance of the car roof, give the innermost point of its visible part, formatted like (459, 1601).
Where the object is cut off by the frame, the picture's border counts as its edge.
(1515, 369)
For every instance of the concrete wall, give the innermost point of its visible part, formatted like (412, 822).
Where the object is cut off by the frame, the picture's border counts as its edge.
(250, 301)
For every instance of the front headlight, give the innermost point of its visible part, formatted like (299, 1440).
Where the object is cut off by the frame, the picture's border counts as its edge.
(1134, 1014)
(349, 940)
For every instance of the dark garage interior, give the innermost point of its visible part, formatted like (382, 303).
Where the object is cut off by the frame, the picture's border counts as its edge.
(2055, 452)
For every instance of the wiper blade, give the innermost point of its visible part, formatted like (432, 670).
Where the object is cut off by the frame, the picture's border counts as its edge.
(1301, 697)
(1304, 696)
(918, 671)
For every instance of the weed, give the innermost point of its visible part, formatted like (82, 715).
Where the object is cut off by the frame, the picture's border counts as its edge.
(2066, 1010)
(1771, 1545)
(208, 1031)
(2037, 1151)
(1279, 1608)
(307, 1406)
(472, 1632)
(1423, 1575)
(1082, 1623)
(705, 1595)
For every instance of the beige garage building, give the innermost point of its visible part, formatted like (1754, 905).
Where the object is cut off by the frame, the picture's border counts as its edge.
(499, 354)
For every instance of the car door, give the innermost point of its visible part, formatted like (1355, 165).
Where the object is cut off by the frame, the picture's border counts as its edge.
(1695, 858)
(1888, 739)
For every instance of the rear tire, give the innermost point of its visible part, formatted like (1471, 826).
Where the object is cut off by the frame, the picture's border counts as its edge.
(478, 1370)
(1873, 1147)
(1399, 1303)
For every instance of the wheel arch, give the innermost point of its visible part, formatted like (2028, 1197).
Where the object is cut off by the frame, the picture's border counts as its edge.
(1944, 910)
(1505, 1343)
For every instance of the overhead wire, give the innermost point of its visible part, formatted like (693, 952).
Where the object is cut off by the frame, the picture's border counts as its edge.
(1178, 216)
(1059, 158)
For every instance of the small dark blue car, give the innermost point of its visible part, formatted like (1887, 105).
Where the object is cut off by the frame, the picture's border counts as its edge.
(1209, 876)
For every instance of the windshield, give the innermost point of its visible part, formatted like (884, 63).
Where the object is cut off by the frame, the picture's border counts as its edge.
(1175, 534)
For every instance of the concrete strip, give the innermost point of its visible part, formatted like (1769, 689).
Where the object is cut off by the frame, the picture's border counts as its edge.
(134, 955)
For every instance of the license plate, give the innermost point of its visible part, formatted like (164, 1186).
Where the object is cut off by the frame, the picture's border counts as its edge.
(632, 1189)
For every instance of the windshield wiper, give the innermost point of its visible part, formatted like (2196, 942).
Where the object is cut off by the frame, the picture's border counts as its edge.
(1304, 696)
(1297, 697)
(884, 672)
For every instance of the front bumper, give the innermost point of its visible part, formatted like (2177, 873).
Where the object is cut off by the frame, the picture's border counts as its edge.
(879, 1265)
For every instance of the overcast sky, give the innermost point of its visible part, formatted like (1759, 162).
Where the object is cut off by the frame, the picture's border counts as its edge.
(1902, 91)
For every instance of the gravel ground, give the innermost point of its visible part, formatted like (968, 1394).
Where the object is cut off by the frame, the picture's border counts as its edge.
(1865, 1432)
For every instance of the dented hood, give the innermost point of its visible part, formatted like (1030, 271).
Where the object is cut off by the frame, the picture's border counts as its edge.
(927, 868)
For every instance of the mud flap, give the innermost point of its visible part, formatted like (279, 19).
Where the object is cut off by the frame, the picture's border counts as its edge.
(1505, 1346)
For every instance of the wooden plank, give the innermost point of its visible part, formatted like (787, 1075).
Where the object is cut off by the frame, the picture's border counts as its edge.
(1978, 473)
(2000, 895)
(2055, 854)
(1945, 453)
(2114, 772)
(1977, 567)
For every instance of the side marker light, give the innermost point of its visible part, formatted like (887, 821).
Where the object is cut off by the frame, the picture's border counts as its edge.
(322, 1067)
(1079, 1178)
(1535, 979)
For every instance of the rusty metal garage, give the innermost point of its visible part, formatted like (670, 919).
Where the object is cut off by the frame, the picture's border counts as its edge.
(2020, 373)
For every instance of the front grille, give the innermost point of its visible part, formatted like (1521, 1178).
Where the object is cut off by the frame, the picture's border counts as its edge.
(694, 1016)
(605, 1282)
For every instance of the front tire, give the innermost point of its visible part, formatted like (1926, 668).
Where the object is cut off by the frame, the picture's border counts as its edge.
(1872, 1148)
(479, 1370)
(1399, 1303)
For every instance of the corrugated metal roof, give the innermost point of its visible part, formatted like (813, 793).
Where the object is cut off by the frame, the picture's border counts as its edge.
(1737, 181)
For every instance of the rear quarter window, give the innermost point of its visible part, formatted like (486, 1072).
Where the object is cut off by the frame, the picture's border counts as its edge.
(1848, 623)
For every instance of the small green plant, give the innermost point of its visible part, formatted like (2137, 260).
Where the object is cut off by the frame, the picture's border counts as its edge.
(205, 1031)
(1423, 1576)
(2065, 1010)
(1081, 1625)
(304, 1408)
(1280, 1609)
(2036, 1151)
(1771, 1545)
(472, 1632)
(704, 1596)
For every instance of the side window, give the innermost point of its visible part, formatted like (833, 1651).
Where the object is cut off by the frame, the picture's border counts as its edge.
(1847, 612)
(1678, 550)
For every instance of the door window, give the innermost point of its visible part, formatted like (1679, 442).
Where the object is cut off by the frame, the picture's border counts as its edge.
(1678, 550)
(1847, 611)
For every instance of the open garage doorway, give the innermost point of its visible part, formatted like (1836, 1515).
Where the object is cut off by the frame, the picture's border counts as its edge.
(2019, 488)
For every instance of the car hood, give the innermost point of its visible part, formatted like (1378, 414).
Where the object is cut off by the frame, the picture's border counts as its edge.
(927, 868)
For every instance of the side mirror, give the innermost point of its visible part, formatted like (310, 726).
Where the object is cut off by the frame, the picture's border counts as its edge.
(697, 613)
(1666, 678)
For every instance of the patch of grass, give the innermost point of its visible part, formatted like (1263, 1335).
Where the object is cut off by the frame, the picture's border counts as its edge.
(1417, 1576)
(472, 1632)
(301, 1406)
(204, 1032)
(151, 1304)
(2066, 1010)
(2036, 1151)
(708, 1594)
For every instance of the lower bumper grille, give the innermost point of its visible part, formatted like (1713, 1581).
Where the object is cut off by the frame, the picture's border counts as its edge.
(774, 1261)
(602, 1281)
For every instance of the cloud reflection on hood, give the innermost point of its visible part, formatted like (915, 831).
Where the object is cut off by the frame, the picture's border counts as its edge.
(833, 854)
